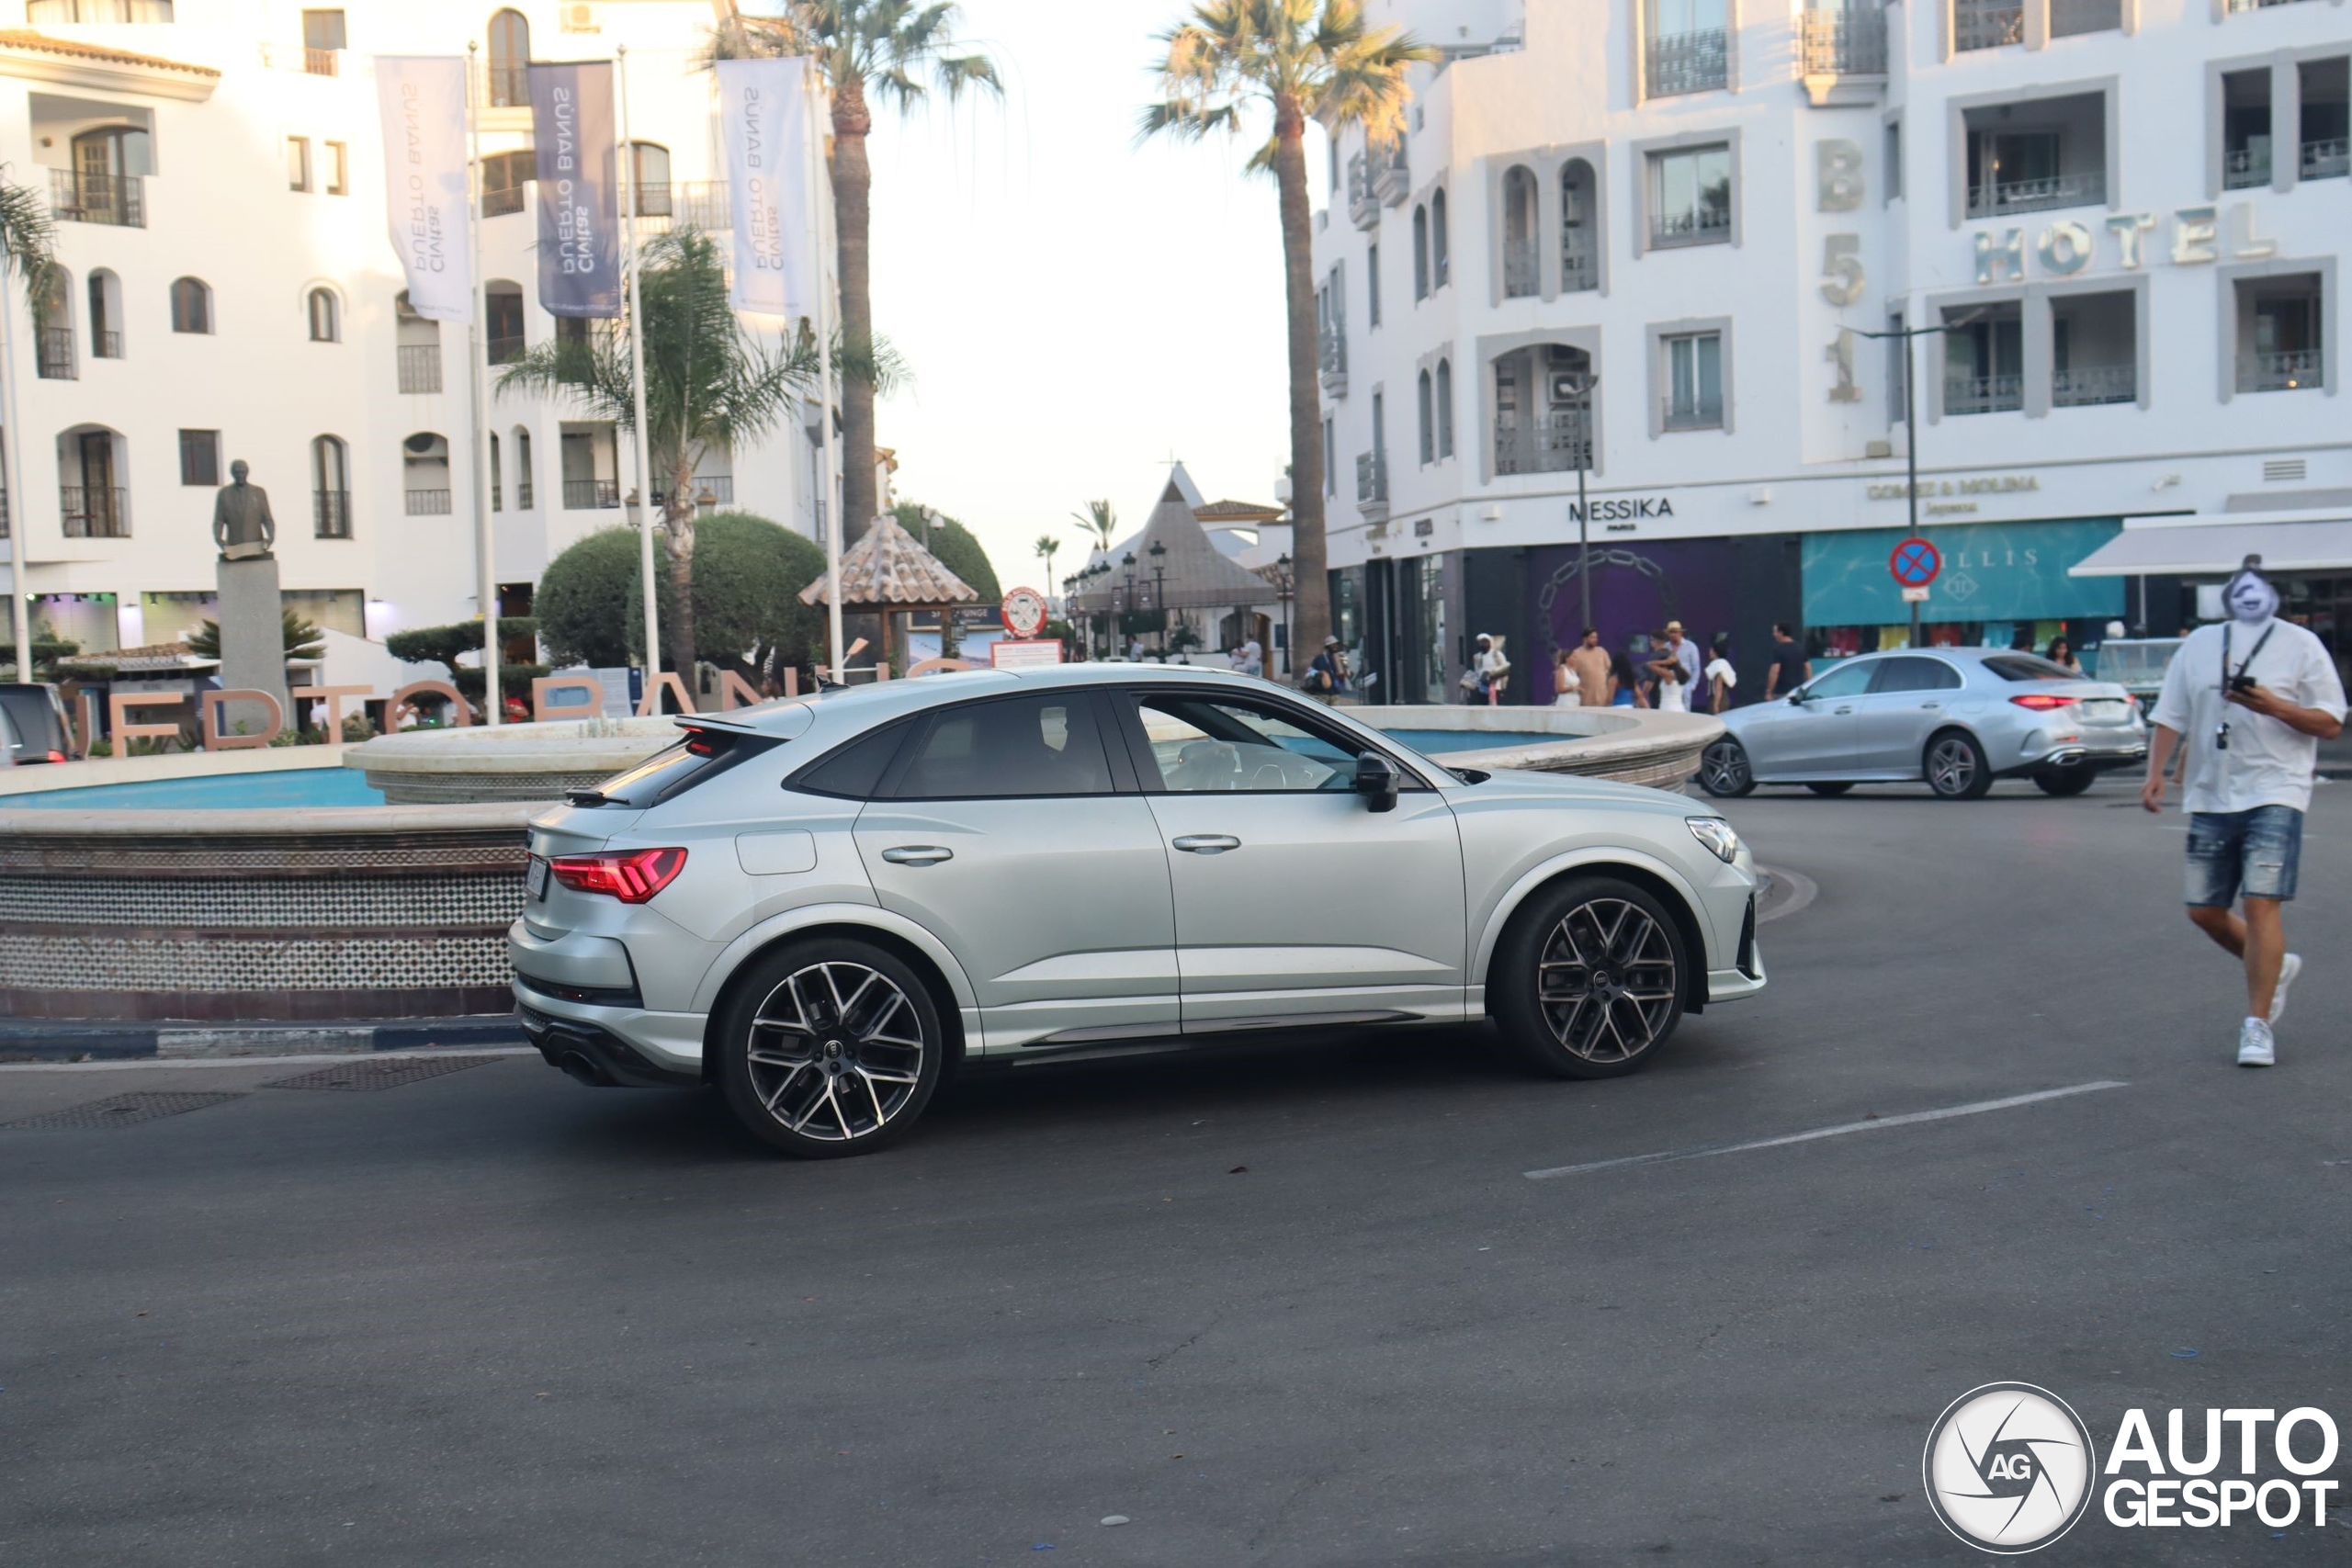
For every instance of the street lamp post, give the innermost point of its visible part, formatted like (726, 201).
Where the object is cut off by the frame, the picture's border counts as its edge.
(1129, 562)
(1158, 553)
(1581, 383)
(1282, 586)
(1911, 427)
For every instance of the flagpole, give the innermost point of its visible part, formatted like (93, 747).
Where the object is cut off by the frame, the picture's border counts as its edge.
(636, 385)
(20, 619)
(485, 573)
(819, 186)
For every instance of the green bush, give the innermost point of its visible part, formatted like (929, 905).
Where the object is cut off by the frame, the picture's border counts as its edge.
(748, 574)
(445, 645)
(585, 604)
(957, 550)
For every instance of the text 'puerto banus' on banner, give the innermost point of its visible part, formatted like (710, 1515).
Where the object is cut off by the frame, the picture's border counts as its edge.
(763, 120)
(580, 209)
(423, 101)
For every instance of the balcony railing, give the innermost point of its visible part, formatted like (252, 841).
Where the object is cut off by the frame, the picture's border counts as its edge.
(1363, 207)
(1688, 62)
(720, 488)
(1843, 43)
(1693, 413)
(52, 13)
(1331, 352)
(106, 345)
(330, 514)
(1392, 175)
(2245, 167)
(2284, 370)
(1519, 279)
(690, 203)
(1579, 269)
(506, 85)
(590, 495)
(1549, 446)
(427, 502)
(1987, 24)
(1372, 478)
(55, 360)
(420, 367)
(2069, 18)
(95, 513)
(301, 57)
(116, 200)
(1983, 394)
(1707, 226)
(503, 350)
(500, 203)
(2330, 159)
(2005, 197)
(523, 499)
(2085, 385)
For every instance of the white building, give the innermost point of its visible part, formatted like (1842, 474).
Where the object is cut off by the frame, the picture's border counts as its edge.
(229, 291)
(2129, 212)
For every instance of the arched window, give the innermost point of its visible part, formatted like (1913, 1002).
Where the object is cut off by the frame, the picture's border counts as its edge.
(327, 316)
(93, 502)
(106, 315)
(1439, 260)
(1420, 253)
(497, 483)
(191, 306)
(510, 59)
(1579, 232)
(648, 174)
(523, 496)
(1427, 426)
(53, 324)
(330, 488)
(1444, 410)
(1520, 272)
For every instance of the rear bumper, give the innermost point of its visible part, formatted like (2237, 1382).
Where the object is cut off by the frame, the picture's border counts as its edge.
(2070, 757)
(638, 1047)
(596, 1056)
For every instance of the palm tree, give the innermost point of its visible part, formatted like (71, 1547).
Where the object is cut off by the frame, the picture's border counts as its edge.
(1045, 547)
(710, 387)
(865, 49)
(27, 250)
(1299, 60)
(1100, 520)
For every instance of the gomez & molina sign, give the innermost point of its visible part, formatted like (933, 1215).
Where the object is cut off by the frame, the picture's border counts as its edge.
(1973, 484)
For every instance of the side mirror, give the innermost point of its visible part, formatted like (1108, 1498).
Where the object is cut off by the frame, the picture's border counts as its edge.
(1796, 699)
(1378, 781)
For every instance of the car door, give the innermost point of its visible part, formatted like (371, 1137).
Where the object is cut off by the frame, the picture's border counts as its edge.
(1296, 902)
(1895, 717)
(1811, 733)
(1006, 830)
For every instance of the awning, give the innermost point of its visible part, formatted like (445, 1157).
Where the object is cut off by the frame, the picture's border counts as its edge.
(2207, 546)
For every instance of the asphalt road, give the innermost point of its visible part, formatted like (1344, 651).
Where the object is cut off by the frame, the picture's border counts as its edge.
(1294, 1308)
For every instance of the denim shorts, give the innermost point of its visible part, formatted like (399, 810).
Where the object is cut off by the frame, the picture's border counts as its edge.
(2254, 852)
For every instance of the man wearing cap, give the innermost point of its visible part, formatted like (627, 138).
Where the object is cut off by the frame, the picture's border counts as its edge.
(1682, 651)
(2255, 695)
(1326, 677)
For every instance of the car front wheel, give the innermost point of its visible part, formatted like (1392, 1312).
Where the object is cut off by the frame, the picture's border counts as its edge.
(830, 1048)
(1724, 770)
(1588, 984)
(1956, 767)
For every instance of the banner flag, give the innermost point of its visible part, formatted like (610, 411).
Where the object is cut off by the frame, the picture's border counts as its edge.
(579, 212)
(421, 99)
(763, 119)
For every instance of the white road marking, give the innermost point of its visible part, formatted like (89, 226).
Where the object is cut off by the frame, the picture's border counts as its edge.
(1977, 1109)
(263, 1061)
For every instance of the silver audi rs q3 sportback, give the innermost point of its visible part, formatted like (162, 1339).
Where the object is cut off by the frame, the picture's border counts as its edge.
(821, 906)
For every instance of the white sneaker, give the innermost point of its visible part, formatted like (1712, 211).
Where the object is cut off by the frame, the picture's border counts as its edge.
(2289, 968)
(2255, 1048)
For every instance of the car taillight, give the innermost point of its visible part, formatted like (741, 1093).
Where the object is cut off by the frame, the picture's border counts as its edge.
(57, 756)
(631, 877)
(2042, 702)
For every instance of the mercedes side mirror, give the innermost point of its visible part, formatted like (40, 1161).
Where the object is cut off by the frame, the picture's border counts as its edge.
(1378, 781)
(1796, 699)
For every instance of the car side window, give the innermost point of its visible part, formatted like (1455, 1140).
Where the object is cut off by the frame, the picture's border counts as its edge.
(1914, 674)
(1046, 745)
(1199, 745)
(852, 771)
(1845, 681)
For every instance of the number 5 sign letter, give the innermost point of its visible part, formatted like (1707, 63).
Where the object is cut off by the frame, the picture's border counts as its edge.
(1842, 268)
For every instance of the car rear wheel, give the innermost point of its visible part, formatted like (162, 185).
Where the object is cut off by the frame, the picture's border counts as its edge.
(1829, 788)
(1724, 771)
(2064, 782)
(1588, 984)
(1956, 766)
(832, 1047)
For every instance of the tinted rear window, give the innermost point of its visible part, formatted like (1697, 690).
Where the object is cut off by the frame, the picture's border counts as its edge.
(1020, 746)
(2028, 667)
(698, 756)
(34, 720)
(852, 771)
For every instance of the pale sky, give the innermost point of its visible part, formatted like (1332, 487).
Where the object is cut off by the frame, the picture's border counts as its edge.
(1075, 308)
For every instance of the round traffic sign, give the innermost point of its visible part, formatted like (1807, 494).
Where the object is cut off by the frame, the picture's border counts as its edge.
(1915, 563)
(1024, 612)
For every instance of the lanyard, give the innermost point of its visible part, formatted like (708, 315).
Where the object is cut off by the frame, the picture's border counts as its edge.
(2250, 657)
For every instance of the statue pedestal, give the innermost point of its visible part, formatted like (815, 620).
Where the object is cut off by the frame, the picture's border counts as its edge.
(253, 644)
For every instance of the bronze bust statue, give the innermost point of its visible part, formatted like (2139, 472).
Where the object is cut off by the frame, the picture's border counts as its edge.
(241, 526)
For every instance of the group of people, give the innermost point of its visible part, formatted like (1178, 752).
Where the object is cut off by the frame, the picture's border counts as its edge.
(1671, 673)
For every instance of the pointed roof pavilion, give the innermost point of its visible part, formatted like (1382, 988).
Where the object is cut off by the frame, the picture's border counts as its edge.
(1198, 575)
(889, 570)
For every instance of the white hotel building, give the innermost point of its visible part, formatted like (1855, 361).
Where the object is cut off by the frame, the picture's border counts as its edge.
(229, 291)
(2128, 212)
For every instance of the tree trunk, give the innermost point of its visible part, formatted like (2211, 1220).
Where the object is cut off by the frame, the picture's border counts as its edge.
(1312, 604)
(678, 539)
(853, 187)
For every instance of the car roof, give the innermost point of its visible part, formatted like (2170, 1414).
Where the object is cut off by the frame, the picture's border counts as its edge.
(837, 711)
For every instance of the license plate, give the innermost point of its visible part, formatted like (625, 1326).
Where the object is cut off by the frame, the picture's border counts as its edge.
(2107, 710)
(535, 878)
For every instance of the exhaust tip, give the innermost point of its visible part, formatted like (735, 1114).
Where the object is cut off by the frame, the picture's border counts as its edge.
(576, 1066)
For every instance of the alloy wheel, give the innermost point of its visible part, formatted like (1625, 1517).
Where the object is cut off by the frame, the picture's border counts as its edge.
(1723, 768)
(836, 1051)
(1606, 981)
(1952, 765)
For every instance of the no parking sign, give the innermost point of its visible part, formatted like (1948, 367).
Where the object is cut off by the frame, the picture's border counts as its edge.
(1915, 563)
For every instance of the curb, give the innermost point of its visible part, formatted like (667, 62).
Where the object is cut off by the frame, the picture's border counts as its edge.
(38, 1041)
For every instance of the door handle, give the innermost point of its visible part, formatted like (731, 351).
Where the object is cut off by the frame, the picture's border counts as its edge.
(1931, 705)
(1841, 710)
(1206, 843)
(917, 854)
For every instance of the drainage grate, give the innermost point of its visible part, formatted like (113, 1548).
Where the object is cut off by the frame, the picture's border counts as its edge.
(372, 1073)
(118, 1110)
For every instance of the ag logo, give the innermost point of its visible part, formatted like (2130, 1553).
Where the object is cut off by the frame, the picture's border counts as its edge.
(1960, 587)
(2008, 1468)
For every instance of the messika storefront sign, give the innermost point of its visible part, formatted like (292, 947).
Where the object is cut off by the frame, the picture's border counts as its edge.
(2068, 245)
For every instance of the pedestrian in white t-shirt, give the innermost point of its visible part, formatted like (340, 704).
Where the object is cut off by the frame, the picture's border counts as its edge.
(2254, 695)
(1720, 676)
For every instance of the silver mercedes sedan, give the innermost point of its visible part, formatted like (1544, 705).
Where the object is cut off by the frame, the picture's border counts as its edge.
(1957, 717)
(823, 906)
